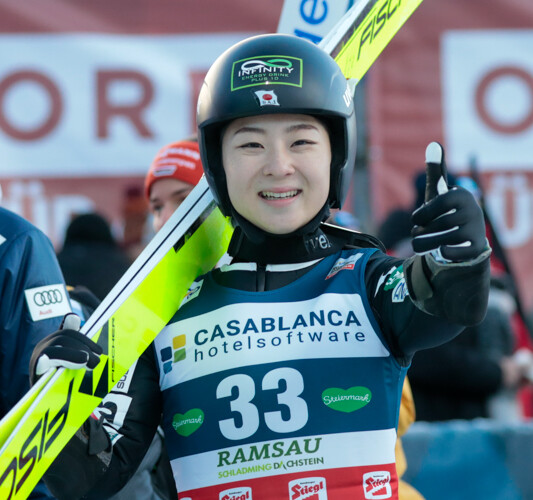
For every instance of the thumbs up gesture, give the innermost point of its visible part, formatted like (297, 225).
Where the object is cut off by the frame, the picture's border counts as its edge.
(450, 223)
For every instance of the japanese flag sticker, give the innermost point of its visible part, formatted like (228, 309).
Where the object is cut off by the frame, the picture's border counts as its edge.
(267, 98)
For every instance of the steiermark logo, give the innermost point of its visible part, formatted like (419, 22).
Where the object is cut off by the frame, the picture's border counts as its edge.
(186, 424)
(171, 355)
(346, 400)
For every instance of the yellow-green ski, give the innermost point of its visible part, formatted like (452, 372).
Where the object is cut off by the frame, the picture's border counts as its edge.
(127, 321)
(364, 31)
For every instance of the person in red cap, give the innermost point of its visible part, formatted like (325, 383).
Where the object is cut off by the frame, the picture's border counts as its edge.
(174, 172)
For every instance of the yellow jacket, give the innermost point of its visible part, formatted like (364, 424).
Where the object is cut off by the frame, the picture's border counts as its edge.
(407, 417)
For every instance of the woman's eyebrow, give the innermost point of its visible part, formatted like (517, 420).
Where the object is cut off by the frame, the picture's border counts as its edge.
(300, 126)
(245, 129)
(291, 128)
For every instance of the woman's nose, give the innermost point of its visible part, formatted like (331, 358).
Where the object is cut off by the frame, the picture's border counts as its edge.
(279, 162)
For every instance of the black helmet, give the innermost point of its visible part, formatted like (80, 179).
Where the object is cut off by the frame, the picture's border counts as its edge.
(276, 74)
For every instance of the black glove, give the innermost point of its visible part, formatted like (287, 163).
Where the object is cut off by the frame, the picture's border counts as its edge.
(67, 348)
(450, 221)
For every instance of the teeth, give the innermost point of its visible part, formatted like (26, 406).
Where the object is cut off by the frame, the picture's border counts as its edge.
(276, 196)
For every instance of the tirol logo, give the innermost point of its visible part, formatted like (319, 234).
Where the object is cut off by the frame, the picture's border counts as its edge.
(377, 485)
(186, 424)
(263, 70)
(346, 400)
(396, 282)
(308, 488)
(241, 493)
(394, 279)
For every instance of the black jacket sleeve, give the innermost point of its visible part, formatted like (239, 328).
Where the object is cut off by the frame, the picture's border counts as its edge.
(406, 327)
(107, 450)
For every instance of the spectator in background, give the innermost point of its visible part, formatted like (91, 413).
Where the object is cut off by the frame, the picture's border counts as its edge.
(134, 215)
(33, 301)
(90, 255)
(460, 379)
(498, 339)
(174, 172)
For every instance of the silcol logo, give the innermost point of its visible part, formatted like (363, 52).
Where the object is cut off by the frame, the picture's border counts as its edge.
(377, 485)
(242, 493)
(308, 488)
(263, 70)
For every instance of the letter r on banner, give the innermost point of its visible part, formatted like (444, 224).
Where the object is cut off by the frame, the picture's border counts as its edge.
(133, 112)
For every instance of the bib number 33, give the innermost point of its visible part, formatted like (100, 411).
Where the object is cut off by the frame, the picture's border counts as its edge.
(244, 387)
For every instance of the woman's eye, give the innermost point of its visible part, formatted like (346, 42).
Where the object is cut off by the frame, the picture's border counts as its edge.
(251, 145)
(302, 142)
(155, 209)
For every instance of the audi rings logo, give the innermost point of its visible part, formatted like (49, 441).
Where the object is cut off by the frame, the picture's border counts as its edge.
(49, 301)
(48, 297)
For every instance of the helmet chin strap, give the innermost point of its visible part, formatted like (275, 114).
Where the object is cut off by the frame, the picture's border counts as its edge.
(257, 235)
(252, 244)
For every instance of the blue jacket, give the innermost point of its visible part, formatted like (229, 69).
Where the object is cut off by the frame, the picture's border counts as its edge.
(33, 302)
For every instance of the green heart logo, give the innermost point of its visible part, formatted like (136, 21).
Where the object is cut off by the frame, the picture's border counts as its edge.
(346, 400)
(186, 424)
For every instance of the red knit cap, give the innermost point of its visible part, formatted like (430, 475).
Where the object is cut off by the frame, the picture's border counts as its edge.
(177, 160)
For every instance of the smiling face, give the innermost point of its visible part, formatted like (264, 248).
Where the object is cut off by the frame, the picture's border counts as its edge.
(277, 169)
(165, 196)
